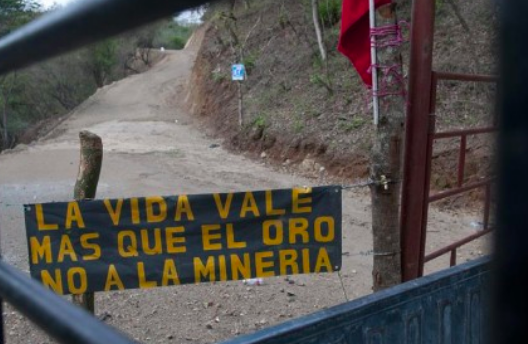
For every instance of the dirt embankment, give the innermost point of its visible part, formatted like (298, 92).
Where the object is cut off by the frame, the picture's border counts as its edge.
(298, 109)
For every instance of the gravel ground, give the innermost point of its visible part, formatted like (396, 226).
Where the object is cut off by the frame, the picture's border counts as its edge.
(152, 147)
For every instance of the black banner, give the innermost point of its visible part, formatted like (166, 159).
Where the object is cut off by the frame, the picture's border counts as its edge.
(102, 245)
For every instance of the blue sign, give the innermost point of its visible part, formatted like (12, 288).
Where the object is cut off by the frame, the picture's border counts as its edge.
(238, 72)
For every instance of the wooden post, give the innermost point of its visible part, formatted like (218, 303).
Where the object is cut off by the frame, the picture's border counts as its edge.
(240, 105)
(86, 188)
(386, 159)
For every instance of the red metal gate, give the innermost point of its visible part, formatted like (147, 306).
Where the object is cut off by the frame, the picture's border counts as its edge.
(461, 186)
(420, 137)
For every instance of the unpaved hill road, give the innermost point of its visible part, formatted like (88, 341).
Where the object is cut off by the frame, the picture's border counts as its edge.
(150, 149)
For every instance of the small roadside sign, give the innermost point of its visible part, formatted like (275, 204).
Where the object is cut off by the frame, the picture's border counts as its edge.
(238, 72)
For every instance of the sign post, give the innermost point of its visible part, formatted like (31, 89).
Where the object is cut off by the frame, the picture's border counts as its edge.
(238, 74)
(86, 188)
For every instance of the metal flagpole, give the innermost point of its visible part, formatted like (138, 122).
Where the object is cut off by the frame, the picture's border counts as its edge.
(374, 59)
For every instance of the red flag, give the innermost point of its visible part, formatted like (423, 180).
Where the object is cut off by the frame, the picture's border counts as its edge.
(354, 39)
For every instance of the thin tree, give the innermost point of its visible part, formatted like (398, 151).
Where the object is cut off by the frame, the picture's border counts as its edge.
(318, 29)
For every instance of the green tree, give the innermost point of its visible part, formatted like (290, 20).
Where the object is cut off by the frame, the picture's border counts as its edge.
(101, 59)
(14, 13)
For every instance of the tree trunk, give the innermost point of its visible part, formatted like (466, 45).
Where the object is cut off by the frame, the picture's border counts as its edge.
(386, 161)
(86, 188)
(6, 94)
(5, 138)
(318, 30)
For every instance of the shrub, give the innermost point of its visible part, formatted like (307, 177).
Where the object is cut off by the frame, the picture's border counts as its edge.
(330, 12)
(177, 43)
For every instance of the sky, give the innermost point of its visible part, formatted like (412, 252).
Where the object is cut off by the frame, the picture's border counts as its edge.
(49, 3)
(186, 16)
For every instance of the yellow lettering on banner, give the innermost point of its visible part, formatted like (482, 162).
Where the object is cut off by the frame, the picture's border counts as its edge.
(40, 250)
(269, 205)
(222, 267)
(134, 210)
(115, 213)
(170, 274)
(249, 205)
(156, 248)
(288, 259)
(330, 235)
(54, 284)
(96, 249)
(261, 265)
(240, 270)
(306, 260)
(231, 241)
(83, 281)
(66, 249)
(73, 214)
(183, 207)
(129, 250)
(301, 196)
(299, 227)
(223, 208)
(162, 212)
(113, 279)
(323, 261)
(143, 283)
(205, 271)
(173, 240)
(41, 223)
(207, 237)
(266, 232)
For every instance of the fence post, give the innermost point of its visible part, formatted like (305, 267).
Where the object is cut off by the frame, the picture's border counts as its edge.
(414, 187)
(386, 153)
(86, 188)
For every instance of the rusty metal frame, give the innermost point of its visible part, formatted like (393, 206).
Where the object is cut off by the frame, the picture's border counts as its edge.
(413, 209)
(461, 186)
(420, 137)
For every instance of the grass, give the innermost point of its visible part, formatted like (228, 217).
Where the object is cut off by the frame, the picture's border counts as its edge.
(330, 12)
(218, 76)
(354, 124)
(250, 61)
(172, 35)
(260, 121)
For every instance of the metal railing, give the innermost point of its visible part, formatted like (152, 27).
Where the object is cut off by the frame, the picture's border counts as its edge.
(55, 315)
(58, 32)
(451, 306)
(461, 187)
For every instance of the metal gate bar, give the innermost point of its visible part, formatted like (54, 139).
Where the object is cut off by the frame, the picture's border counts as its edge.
(55, 315)
(413, 209)
(461, 187)
(419, 140)
(451, 306)
(79, 24)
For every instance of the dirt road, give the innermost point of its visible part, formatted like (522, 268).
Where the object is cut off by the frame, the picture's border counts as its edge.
(152, 148)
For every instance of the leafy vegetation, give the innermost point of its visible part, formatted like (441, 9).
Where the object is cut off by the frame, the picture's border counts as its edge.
(330, 12)
(172, 35)
(260, 121)
(33, 95)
